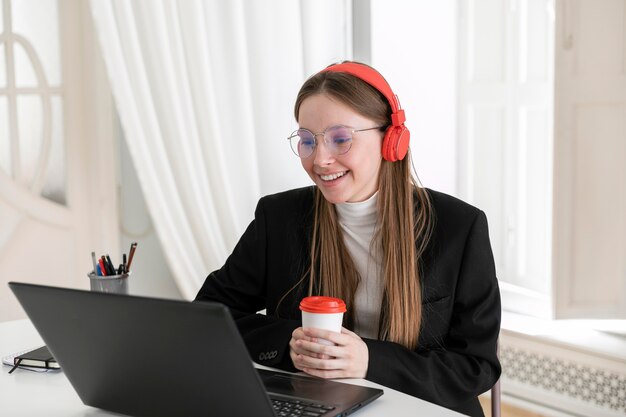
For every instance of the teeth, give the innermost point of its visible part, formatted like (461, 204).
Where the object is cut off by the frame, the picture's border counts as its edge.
(333, 176)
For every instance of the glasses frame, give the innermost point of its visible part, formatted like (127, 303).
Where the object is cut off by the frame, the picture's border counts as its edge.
(326, 140)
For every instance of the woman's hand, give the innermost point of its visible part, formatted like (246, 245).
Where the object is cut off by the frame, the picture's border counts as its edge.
(348, 358)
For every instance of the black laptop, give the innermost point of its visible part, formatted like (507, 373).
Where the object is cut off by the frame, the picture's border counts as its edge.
(145, 356)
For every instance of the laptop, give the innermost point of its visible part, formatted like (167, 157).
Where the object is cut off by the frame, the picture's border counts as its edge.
(144, 356)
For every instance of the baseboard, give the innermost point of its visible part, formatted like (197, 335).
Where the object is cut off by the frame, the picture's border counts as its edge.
(534, 408)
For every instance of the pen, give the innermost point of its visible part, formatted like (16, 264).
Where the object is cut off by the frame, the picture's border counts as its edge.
(124, 263)
(93, 261)
(107, 267)
(102, 268)
(133, 246)
(110, 264)
(103, 264)
(98, 271)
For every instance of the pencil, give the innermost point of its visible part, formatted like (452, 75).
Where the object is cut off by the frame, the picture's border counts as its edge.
(133, 246)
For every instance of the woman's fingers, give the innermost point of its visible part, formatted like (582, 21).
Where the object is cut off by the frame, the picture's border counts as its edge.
(346, 356)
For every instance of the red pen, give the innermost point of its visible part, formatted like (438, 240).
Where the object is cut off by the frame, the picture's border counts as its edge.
(102, 268)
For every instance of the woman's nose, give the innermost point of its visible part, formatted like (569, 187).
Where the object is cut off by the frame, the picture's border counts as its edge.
(323, 155)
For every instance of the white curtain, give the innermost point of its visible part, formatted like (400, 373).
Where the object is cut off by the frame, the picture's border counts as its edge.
(205, 90)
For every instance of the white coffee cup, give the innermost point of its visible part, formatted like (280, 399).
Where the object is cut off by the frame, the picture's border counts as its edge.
(322, 313)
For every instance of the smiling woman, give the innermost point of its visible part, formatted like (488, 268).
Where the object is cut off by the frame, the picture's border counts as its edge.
(413, 266)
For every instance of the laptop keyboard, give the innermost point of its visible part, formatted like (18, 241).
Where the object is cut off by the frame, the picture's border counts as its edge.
(297, 408)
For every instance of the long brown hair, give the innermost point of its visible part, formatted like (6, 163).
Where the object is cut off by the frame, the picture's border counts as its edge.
(402, 230)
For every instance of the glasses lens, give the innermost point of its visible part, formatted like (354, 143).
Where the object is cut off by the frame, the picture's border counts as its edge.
(339, 139)
(302, 143)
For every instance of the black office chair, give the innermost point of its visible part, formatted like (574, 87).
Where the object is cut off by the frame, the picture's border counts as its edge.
(495, 400)
(496, 406)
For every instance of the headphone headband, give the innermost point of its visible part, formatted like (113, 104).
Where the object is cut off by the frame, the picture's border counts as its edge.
(373, 78)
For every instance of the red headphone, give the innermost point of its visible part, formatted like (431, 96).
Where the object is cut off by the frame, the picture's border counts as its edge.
(396, 141)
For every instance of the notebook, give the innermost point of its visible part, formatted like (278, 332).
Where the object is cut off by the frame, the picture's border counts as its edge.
(33, 358)
(144, 356)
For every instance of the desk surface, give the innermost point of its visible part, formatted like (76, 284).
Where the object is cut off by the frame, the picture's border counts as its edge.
(27, 393)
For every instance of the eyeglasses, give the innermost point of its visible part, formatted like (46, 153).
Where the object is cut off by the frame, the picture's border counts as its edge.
(338, 140)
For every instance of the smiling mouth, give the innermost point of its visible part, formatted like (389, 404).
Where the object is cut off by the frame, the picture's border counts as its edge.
(334, 176)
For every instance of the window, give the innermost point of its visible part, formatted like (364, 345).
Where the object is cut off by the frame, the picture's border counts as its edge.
(31, 98)
(505, 84)
(518, 107)
(478, 98)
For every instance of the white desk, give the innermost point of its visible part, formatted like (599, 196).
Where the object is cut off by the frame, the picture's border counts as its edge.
(26, 393)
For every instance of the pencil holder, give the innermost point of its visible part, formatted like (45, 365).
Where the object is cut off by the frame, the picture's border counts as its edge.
(116, 284)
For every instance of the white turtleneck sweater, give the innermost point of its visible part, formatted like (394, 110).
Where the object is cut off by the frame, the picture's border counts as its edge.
(358, 223)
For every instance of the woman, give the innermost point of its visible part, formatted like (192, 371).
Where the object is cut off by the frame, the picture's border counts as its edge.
(414, 266)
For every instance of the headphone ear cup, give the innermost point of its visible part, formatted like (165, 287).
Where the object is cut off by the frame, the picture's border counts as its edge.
(385, 146)
(396, 143)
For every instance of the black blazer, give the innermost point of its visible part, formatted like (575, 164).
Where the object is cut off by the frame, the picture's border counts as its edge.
(455, 360)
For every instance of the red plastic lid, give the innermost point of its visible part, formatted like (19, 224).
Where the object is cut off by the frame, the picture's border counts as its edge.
(319, 304)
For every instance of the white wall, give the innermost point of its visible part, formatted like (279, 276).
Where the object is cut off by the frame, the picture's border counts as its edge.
(414, 47)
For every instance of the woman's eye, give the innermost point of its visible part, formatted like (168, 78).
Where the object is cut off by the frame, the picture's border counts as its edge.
(341, 140)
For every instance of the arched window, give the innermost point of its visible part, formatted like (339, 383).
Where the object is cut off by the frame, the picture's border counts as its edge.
(32, 146)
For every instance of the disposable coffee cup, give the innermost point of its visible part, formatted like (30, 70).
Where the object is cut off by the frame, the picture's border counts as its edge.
(322, 313)
(115, 284)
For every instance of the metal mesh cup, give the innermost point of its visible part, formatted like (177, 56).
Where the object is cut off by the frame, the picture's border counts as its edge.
(116, 284)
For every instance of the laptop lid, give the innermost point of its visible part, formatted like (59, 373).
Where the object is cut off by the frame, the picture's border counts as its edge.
(145, 356)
